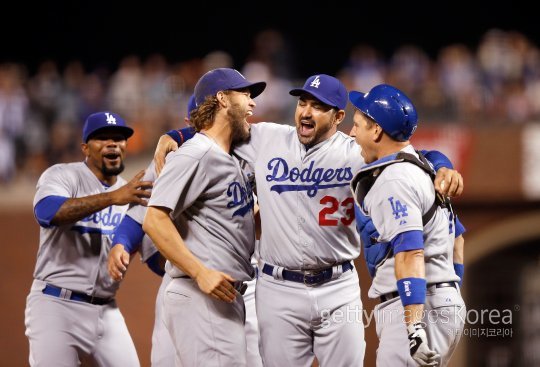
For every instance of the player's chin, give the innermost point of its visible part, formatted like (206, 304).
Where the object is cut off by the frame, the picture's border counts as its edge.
(112, 169)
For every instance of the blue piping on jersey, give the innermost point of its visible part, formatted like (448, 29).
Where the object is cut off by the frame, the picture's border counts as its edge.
(83, 230)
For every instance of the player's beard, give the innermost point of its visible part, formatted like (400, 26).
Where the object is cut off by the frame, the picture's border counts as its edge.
(320, 133)
(111, 171)
(240, 131)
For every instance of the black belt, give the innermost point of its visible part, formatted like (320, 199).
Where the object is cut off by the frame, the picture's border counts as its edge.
(389, 296)
(241, 287)
(308, 277)
(51, 290)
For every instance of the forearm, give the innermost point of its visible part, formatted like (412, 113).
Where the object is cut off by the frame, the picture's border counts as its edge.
(459, 245)
(159, 226)
(75, 209)
(409, 265)
(258, 228)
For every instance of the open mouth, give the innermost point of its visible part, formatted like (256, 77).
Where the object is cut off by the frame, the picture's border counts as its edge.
(112, 157)
(306, 128)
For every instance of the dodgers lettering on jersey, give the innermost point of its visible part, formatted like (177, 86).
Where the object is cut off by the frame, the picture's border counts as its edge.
(306, 208)
(280, 172)
(103, 222)
(240, 196)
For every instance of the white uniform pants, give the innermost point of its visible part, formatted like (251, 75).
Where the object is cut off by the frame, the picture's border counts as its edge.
(62, 332)
(205, 331)
(298, 322)
(444, 317)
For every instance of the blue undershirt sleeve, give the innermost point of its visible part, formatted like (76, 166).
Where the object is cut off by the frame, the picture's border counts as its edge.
(407, 241)
(180, 136)
(153, 264)
(460, 229)
(46, 209)
(437, 159)
(129, 233)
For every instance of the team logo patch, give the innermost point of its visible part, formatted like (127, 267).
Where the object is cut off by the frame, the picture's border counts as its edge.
(398, 210)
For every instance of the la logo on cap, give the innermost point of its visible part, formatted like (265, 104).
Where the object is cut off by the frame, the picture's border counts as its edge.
(111, 120)
(315, 83)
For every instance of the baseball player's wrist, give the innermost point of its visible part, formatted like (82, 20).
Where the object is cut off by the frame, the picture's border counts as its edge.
(412, 291)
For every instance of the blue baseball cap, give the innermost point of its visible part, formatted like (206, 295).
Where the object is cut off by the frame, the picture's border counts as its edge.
(105, 120)
(224, 79)
(326, 89)
(191, 105)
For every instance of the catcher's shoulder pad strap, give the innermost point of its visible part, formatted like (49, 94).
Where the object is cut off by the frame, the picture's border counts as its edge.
(366, 177)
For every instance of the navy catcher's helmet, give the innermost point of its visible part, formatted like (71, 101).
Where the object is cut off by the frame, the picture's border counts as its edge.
(390, 108)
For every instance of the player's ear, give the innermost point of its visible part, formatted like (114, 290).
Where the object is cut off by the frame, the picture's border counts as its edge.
(339, 116)
(377, 132)
(222, 99)
(85, 149)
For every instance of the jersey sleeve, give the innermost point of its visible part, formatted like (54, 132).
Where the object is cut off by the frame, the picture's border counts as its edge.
(57, 180)
(395, 209)
(180, 183)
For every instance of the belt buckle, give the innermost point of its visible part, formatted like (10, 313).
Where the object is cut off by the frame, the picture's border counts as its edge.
(312, 273)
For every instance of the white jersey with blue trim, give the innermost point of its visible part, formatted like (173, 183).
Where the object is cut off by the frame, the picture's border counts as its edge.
(400, 196)
(74, 256)
(212, 206)
(307, 209)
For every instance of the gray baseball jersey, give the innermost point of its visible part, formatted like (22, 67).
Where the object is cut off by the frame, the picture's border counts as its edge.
(212, 206)
(307, 210)
(402, 193)
(162, 346)
(396, 203)
(74, 256)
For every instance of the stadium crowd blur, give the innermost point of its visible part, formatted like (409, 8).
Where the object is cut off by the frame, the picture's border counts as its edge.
(42, 112)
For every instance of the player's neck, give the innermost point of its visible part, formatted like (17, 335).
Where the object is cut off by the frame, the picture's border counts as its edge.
(221, 135)
(391, 147)
(107, 180)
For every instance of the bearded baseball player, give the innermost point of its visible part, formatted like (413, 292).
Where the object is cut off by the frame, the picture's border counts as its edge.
(200, 217)
(129, 235)
(418, 319)
(70, 312)
(307, 277)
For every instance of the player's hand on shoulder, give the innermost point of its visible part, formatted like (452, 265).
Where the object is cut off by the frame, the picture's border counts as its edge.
(135, 191)
(117, 262)
(216, 284)
(165, 145)
(418, 346)
(448, 182)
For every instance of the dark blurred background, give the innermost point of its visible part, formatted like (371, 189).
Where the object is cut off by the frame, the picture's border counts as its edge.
(472, 70)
